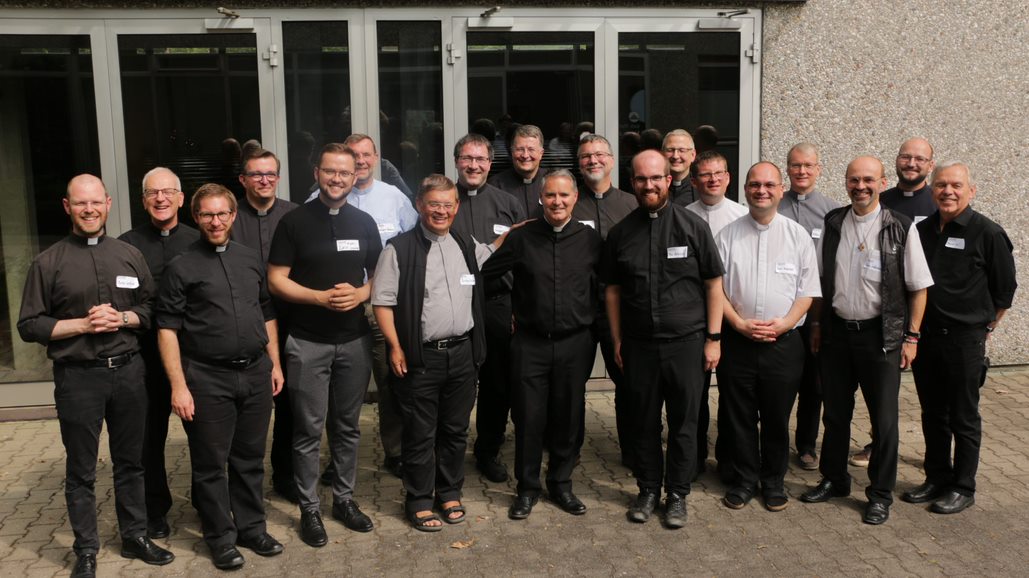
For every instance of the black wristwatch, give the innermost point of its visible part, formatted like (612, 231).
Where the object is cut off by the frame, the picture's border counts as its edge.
(915, 334)
(714, 336)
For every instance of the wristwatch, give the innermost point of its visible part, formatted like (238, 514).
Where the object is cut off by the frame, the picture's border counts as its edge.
(125, 317)
(714, 336)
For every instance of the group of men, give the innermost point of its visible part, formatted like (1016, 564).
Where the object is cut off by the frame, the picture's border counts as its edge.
(500, 288)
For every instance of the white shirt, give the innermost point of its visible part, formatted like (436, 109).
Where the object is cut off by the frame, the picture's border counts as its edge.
(719, 215)
(391, 209)
(767, 267)
(858, 276)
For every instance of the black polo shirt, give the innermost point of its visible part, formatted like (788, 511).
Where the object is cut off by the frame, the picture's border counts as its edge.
(255, 228)
(917, 206)
(160, 247)
(603, 212)
(555, 275)
(973, 270)
(323, 250)
(526, 191)
(217, 300)
(661, 260)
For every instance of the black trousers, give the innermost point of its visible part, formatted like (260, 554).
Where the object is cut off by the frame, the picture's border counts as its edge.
(229, 427)
(948, 374)
(494, 380)
(436, 404)
(624, 422)
(849, 359)
(758, 382)
(669, 374)
(549, 405)
(155, 436)
(809, 398)
(85, 398)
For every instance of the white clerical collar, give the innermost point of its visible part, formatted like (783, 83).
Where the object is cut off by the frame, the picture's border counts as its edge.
(221, 248)
(678, 183)
(558, 228)
(92, 240)
(334, 211)
(165, 232)
(473, 192)
(908, 194)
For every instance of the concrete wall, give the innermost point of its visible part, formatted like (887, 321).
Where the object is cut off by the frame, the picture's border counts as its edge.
(859, 77)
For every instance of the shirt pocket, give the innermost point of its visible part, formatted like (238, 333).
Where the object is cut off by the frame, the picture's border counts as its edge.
(871, 267)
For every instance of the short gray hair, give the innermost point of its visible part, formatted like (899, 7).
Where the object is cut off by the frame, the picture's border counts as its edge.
(950, 164)
(563, 174)
(155, 170)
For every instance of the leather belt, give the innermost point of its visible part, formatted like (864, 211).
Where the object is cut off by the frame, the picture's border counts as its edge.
(444, 344)
(556, 335)
(241, 363)
(859, 324)
(108, 362)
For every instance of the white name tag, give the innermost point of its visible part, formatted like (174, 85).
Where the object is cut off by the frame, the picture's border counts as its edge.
(874, 261)
(468, 279)
(677, 252)
(787, 268)
(387, 228)
(589, 224)
(348, 245)
(126, 282)
(919, 219)
(955, 243)
(816, 233)
(500, 229)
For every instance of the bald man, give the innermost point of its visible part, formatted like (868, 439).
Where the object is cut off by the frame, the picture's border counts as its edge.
(912, 197)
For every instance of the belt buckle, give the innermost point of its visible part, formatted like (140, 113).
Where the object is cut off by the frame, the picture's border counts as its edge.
(853, 325)
(110, 363)
(239, 363)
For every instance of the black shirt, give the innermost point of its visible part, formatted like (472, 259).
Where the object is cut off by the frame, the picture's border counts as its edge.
(160, 247)
(218, 302)
(255, 228)
(486, 213)
(72, 276)
(555, 275)
(917, 207)
(322, 250)
(661, 263)
(683, 193)
(527, 192)
(973, 270)
(603, 212)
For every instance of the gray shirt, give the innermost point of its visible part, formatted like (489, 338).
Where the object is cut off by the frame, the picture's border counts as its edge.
(447, 308)
(809, 210)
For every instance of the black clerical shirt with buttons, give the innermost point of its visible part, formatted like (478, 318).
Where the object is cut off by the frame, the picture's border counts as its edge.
(255, 229)
(601, 212)
(158, 246)
(525, 191)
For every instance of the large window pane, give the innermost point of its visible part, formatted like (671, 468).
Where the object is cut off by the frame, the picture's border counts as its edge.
(669, 80)
(411, 98)
(48, 134)
(540, 78)
(189, 102)
(317, 71)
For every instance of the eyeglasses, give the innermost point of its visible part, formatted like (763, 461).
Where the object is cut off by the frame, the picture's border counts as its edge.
(756, 186)
(711, 176)
(467, 159)
(526, 150)
(919, 160)
(208, 217)
(332, 173)
(151, 193)
(600, 156)
(437, 205)
(805, 166)
(641, 180)
(258, 176)
(680, 150)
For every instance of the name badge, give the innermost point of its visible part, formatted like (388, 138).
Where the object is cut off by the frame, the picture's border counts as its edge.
(816, 233)
(874, 261)
(677, 252)
(955, 243)
(126, 282)
(919, 219)
(467, 279)
(387, 228)
(787, 268)
(348, 245)
(500, 229)
(590, 224)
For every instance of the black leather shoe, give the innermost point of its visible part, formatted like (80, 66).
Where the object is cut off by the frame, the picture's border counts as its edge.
(158, 528)
(927, 492)
(262, 545)
(492, 469)
(227, 557)
(312, 530)
(876, 513)
(643, 507)
(823, 491)
(394, 465)
(85, 566)
(675, 511)
(352, 516)
(143, 549)
(568, 502)
(522, 506)
(952, 503)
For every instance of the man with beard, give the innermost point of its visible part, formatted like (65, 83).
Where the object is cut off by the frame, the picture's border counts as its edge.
(218, 340)
(912, 197)
(160, 239)
(86, 299)
(664, 300)
(680, 151)
(524, 179)
(485, 212)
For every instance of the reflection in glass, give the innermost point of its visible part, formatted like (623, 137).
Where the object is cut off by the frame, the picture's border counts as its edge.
(540, 78)
(317, 73)
(190, 101)
(48, 135)
(410, 100)
(669, 80)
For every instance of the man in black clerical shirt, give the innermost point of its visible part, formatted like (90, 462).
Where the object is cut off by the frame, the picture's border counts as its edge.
(664, 300)
(680, 150)
(555, 261)
(86, 299)
(971, 261)
(484, 213)
(912, 196)
(160, 239)
(219, 344)
(524, 179)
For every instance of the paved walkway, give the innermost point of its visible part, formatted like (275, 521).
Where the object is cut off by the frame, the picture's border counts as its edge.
(991, 538)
